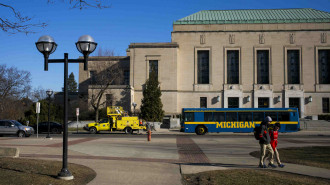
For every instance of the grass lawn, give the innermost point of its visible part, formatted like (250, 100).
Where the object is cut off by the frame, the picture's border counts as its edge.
(251, 177)
(317, 156)
(30, 171)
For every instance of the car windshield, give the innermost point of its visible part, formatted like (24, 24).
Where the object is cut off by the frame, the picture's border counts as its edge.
(17, 123)
(104, 121)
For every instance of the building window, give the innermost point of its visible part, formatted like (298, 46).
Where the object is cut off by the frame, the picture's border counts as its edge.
(109, 100)
(324, 66)
(126, 77)
(293, 60)
(232, 67)
(233, 102)
(153, 66)
(263, 67)
(203, 67)
(203, 102)
(263, 102)
(325, 105)
(92, 77)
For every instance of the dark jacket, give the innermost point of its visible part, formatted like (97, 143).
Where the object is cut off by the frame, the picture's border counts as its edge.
(264, 134)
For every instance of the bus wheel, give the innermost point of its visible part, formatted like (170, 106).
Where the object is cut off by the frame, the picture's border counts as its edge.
(93, 130)
(200, 130)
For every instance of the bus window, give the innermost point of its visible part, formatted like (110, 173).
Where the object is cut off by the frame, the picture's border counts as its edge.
(219, 116)
(245, 116)
(258, 116)
(188, 116)
(273, 115)
(231, 116)
(284, 116)
(208, 116)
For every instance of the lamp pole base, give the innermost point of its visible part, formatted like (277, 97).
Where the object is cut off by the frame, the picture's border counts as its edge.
(65, 175)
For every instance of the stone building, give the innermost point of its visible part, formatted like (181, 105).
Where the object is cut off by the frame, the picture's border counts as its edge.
(236, 58)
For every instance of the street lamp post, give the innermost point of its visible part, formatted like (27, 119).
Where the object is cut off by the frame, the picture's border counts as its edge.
(49, 93)
(46, 45)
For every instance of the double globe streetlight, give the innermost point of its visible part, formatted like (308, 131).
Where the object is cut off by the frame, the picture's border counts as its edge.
(46, 45)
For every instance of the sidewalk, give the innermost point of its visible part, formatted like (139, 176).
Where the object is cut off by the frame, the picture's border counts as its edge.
(134, 160)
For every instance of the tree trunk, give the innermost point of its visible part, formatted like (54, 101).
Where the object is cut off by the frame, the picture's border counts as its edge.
(96, 115)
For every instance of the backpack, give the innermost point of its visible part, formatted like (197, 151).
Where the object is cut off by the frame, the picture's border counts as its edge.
(257, 131)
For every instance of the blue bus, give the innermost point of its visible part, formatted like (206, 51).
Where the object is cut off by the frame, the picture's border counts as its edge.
(203, 120)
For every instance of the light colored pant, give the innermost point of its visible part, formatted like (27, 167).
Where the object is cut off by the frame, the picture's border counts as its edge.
(266, 150)
(277, 156)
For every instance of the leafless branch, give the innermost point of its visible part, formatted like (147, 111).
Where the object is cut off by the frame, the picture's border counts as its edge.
(20, 24)
(83, 4)
(16, 23)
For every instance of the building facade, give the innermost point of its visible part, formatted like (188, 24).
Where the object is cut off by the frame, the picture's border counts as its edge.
(239, 58)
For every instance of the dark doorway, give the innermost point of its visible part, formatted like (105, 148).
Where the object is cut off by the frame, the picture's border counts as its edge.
(233, 102)
(295, 103)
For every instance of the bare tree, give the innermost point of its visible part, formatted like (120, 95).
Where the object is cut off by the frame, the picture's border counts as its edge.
(15, 22)
(106, 52)
(38, 94)
(104, 78)
(14, 87)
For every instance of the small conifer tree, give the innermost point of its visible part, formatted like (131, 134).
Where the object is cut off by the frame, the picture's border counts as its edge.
(72, 84)
(152, 106)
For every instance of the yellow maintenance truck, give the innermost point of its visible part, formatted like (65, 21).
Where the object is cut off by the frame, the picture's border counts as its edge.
(117, 121)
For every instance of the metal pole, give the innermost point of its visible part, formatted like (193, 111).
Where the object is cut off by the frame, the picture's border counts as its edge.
(48, 136)
(77, 124)
(65, 173)
(37, 124)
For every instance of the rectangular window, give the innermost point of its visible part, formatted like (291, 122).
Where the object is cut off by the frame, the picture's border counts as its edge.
(273, 115)
(324, 66)
(245, 116)
(208, 116)
(126, 77)
(219, 116)
(325, 105)
(263, 67)
(109, 100)
(258, 116)
(293, 62)
(263, 102)
(231, 116)
(153, 67)
(92, 77)
(283, 116)
(203, 67)
(232, 67)
(203, 102)
(189, 116)
(233, 102)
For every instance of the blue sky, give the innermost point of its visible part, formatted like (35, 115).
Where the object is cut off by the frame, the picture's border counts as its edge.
(114, 28)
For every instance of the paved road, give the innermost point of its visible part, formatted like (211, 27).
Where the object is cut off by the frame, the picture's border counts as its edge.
(130, 159)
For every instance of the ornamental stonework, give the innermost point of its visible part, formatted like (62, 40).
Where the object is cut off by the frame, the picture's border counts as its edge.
(292, 38)
(323, 37)
(202, 39)
(231, 39)
(261, 38)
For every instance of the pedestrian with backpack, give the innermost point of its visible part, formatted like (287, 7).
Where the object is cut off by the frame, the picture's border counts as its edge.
(273, 133)
(265, 147)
